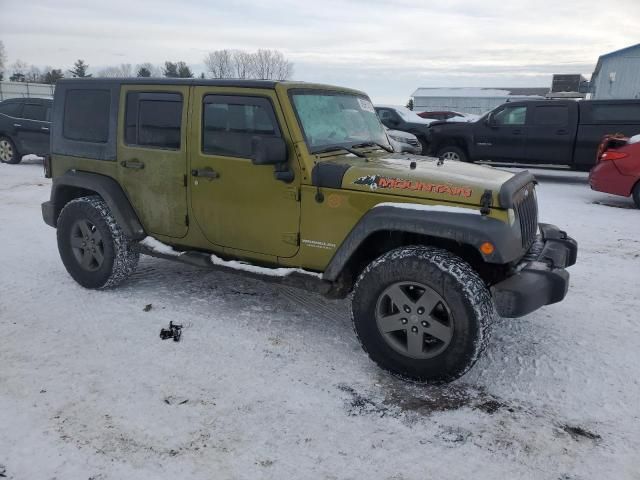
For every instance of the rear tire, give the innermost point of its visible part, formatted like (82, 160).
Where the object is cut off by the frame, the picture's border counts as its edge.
(636, 194)
(92, 246)
(453, 153)
(8, 151)
(422, 314)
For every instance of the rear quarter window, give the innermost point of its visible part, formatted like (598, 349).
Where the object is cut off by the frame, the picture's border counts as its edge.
(86, 115)
(13, 109)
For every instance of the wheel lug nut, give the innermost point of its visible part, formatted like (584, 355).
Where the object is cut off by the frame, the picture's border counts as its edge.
(404, 321)
(407, 309)
(414, 329)
(420, 311)
(425, 324)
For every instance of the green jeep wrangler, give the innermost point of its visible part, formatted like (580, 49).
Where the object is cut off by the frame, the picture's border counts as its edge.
(297, 183)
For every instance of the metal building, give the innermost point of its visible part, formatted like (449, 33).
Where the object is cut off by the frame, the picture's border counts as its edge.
(617, 75)
(471, 100)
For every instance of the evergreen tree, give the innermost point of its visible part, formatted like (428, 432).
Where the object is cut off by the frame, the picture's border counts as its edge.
(144, 72)
(170, 70)
(184, 71)
(52, 76)
(410, 104)
(79, 69)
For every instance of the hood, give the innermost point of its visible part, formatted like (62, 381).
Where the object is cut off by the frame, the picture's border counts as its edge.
(401, 134)
(449, 181)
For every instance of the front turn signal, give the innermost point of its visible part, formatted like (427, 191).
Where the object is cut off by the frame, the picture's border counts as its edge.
(487, 248)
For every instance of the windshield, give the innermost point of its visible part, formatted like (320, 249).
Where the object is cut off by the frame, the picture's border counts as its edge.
(331, 119)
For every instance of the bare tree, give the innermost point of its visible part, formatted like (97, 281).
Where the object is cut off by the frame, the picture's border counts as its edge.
(19, 71)
(220, 64)
(124, 70)
(242, 64)
(33, 75)
(271, 65)
(263, 64)
(3, 59)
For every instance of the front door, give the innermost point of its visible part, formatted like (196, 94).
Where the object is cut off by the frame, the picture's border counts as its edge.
(152, 158)
(237, 204)
(503, 137)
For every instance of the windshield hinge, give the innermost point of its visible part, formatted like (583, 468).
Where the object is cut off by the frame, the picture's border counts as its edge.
(485, 202)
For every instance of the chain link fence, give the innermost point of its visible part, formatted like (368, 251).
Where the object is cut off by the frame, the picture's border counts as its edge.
(25, 90)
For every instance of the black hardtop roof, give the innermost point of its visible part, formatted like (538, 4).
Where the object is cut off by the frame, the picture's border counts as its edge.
(171, 81)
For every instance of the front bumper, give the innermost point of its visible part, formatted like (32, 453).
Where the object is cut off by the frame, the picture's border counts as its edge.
(540, 278)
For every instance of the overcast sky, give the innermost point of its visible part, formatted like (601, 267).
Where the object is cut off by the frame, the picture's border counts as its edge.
(386, 47)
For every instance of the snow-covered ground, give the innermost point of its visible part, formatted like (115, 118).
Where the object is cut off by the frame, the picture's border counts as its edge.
(270, 382)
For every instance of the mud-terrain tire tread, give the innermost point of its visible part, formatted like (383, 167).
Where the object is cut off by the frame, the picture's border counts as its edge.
(461, 277)
(124, 258)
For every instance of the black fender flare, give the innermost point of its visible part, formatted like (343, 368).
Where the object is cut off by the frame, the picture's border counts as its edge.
(464, 228)
(106, 187)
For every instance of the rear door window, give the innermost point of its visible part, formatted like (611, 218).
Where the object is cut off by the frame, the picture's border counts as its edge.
(154, 120)
(34, 111)
(229, 124)
(556, 115)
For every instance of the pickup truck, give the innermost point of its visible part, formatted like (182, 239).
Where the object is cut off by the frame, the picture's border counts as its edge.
(545, 132)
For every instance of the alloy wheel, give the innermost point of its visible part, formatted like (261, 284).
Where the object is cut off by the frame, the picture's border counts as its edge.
(414, 320)
(87, 245)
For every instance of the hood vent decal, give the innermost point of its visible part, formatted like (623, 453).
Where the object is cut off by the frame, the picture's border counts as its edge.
(377, 181)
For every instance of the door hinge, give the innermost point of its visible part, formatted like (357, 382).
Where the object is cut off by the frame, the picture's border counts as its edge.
(186, 220)
(291, 238)
(292, 194)
(184, 179)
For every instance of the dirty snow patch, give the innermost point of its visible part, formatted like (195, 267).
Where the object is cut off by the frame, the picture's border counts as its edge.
(429, 208)
(634, 139)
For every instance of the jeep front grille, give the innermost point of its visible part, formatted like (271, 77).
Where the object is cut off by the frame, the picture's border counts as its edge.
(526, 207)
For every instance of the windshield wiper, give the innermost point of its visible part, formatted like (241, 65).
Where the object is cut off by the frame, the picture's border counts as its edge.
(334, 148)
(373, 144)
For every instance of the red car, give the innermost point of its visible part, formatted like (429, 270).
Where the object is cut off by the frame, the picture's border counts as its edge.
(618, 168)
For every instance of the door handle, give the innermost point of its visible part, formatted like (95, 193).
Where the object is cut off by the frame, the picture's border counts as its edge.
(46, 129)
(17, 125)
(517, 132)
(205, 172)
(561, 132)
(132, 164)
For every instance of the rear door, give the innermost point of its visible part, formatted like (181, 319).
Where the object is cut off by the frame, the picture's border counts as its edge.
(551, 133)
(152, 155)
(502, 138)
(34, 128)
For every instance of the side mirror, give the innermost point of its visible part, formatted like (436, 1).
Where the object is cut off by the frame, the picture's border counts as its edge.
(491, 121)
(268, 150)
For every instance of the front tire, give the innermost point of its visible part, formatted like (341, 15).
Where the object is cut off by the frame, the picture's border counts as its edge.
(636, 194)
(453, 153)
(93, 248)
(8, 151)
(422, 314)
